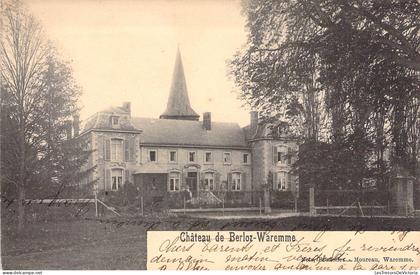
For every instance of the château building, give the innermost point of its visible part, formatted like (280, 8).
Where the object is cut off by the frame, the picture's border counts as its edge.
(164, 156)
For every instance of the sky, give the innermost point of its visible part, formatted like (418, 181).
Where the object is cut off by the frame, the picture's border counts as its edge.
(125, 51)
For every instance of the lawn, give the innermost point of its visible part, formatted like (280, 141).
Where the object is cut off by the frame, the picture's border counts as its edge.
(111, 243)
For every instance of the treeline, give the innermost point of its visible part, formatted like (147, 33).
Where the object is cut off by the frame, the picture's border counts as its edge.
(345, 76)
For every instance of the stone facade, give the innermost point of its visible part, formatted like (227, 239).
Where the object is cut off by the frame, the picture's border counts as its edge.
(179, 152)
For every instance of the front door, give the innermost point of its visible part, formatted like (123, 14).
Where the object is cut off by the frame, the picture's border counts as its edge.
(192, 182)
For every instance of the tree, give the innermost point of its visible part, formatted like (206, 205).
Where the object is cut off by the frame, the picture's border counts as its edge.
(38, 97)
(345, 71)
(23, 60)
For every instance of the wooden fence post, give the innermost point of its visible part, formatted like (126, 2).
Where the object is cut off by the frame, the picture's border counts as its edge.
(223, 205)
(267, 207)
(142, 205)
(312, 210)
(96, 204)
(184, 204)
(328, 207)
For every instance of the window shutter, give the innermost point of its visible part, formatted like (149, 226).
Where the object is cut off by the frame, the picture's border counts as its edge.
(289, 155)
(229, 180)
(292, 183)
(201, 183)
(100, 147)
(243, 181)
(126, 150)
(274, 181)
(289, 181)
(132, 148)
(184, 179)
(127, 176)
(274, 154)
(107, 179)
(217, 180)
(107, 149)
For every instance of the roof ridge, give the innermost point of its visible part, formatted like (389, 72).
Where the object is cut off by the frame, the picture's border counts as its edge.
(188, 121)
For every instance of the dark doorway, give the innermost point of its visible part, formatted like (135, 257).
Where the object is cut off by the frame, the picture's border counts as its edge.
(192, 181)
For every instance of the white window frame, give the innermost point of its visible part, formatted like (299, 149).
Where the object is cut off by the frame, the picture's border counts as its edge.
(156, 155)
(205, 157)
(176, 156)
(118, 180)
(174, 182)
(281, 182)
(115, 155)
(247, 158)
(195, 156)
(115, 120)
(209, 181)
(236, 181)
(230, 158)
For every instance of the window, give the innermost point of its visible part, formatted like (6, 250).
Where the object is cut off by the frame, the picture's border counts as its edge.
(209, 181)
(282, 155)
(116, 179)
(115, 120)
(245, 158)
(282, 129)
(226, 158)
(208, 157)
(236, 181)
(116, 150)
(152, 155)
(191, 156)
(172, 156)
(174, 182)
(281, 182)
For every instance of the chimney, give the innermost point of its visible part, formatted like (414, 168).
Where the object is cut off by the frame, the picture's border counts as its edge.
(254, 122)
(127, 106)
(207, 120)
(76, 125)
(68, 129)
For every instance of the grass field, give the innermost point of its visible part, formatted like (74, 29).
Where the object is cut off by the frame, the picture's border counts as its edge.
(121, 243)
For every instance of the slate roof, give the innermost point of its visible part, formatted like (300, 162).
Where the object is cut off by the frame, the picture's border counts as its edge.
(101, 121)
(178, 106)
(267, 130)
(189, 132)
(259, 132)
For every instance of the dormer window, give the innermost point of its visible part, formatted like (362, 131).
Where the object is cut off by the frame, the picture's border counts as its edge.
(115, 120)
(282, 129)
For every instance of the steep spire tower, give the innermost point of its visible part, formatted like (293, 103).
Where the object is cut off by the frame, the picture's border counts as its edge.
(178, 106)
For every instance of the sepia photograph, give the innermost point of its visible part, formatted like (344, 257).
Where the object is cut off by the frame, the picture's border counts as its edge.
(210, 135)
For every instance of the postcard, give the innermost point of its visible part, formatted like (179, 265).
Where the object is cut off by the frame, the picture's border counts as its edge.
(210, 135)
